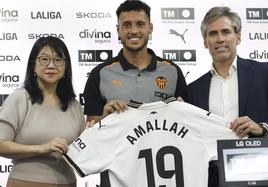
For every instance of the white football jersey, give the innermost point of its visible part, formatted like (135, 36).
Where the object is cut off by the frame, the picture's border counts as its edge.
(160, 144)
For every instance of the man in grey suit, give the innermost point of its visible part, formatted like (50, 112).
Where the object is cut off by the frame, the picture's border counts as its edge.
(234, 88)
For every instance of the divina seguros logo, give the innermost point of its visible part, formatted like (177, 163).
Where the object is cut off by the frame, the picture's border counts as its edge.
(7, 15)
(78, 145)
(9, 81)
(259, 55)
(98, 36)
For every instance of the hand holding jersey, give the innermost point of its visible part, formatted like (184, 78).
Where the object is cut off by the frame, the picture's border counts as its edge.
(114, 106)
(243, 126)
(119, 106)
(160, 143)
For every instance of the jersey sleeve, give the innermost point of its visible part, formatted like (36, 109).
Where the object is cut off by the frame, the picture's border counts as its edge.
(12, 113)
(211, 127)
(94, 150)
(217, 129)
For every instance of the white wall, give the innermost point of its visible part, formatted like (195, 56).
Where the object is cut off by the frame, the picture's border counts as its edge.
(81, 23)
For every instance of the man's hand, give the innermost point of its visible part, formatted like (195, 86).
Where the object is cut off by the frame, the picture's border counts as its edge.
(180, 99)
(242, 126)
(110, 107)
(114, 105)
(90, 123)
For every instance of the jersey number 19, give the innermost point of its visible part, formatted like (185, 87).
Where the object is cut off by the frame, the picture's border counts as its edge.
(160, 162)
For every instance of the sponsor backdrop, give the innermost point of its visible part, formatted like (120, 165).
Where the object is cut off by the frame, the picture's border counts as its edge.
(89, 30)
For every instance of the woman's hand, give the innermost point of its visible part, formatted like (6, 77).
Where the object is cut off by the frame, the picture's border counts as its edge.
(55, 145)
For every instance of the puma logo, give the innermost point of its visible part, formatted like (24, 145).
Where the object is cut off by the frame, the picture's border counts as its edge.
(171, 31)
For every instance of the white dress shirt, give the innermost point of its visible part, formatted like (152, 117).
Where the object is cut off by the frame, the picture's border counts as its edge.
(223, 95)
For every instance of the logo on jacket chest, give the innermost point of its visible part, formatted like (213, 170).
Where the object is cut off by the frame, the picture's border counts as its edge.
(161, 82)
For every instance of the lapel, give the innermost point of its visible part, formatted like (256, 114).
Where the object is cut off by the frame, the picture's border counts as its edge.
(245, 78)
(204, 91)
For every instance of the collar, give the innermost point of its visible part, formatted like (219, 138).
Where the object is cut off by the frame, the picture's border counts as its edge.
(126, 65)
(232, 68)
(137, 104)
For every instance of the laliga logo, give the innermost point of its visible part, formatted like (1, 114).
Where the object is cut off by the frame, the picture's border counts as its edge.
(80, 144)
(5, 168)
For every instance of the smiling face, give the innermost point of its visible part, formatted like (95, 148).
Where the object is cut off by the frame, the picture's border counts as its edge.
(221, 40)
(48, 75)
(134, 28)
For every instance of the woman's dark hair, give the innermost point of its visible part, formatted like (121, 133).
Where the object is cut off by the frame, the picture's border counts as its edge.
(64, 90)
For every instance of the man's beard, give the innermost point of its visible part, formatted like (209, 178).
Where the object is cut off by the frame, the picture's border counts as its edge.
(132, 49)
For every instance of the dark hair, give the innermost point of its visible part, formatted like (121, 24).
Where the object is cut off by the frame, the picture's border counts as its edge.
(135, 5)
(64, 90)
(217, 12)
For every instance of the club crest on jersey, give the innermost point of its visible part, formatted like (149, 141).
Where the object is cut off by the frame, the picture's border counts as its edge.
(161, 82)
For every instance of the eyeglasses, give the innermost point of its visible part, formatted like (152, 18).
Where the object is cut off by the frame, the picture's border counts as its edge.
(45, 61)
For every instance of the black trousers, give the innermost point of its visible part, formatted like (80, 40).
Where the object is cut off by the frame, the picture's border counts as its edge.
(213, 174)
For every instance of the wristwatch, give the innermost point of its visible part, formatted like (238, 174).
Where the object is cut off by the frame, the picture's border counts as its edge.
(264, 127)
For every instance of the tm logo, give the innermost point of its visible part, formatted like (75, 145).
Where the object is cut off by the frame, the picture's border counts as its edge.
(257, 13)
(177, 13)
(94, 55)
(180, 55)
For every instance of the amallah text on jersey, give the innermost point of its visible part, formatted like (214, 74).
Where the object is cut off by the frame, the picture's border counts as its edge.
(156, 125)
